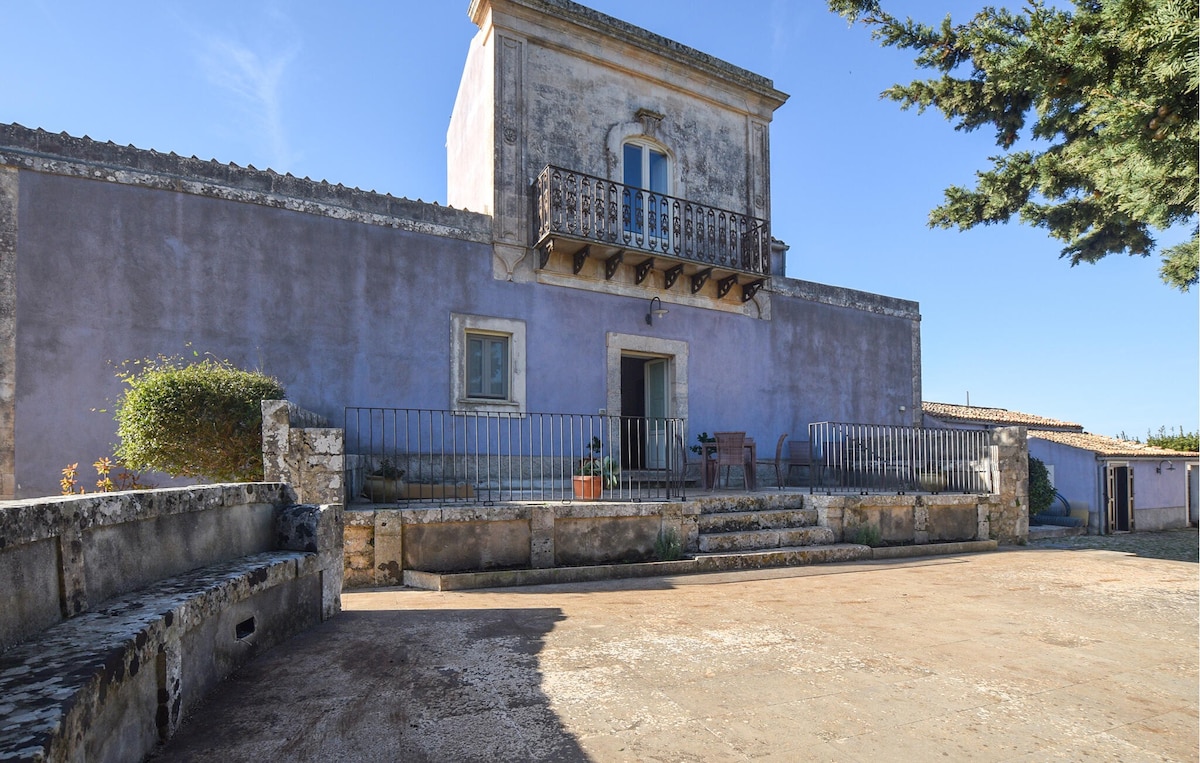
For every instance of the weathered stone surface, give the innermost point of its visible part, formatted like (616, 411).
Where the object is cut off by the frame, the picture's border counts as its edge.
(619, 537)
(118, 611)
(53, 686)
(1008, 521)
(8, 330)
(59, 153)
(757, 520)
(749, 540)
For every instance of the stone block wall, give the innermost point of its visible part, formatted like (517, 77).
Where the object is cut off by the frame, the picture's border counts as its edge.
(933, 518)
(382, 543)
(309, 458)
(1009, 517)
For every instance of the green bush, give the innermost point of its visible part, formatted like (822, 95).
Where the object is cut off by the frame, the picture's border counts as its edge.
(1041, 492)
(200, 420)
(668, 547)
(1185, 441)
(868, 535)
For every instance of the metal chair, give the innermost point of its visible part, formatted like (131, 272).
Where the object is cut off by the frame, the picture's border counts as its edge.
(731, 451)
(779, 460)
(800, 454)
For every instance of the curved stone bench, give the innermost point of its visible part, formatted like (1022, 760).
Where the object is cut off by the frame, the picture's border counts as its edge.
(114, 680)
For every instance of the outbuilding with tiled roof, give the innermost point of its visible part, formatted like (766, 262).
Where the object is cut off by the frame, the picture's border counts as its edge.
(1125, 485)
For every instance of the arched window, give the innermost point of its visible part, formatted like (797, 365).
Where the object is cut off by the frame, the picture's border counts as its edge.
(646, 173)
(646, 166)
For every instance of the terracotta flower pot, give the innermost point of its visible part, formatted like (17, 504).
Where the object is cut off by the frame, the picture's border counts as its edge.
(588, 488)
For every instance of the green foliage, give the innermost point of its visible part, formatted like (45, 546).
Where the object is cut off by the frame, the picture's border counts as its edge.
(388, 470)
(1041, 492)
(668, 547)
(1109, 94)
(702, 438)
(868, 535)
(198, 420)
(1172, 440)
(595, 465)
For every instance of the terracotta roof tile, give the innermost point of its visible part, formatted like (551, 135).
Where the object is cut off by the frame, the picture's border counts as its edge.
(998, 416)
(1110, 446)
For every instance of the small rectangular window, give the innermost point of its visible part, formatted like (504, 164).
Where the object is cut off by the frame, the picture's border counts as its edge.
(487, 366)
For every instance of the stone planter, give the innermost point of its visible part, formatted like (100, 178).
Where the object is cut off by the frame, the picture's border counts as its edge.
(383, 489)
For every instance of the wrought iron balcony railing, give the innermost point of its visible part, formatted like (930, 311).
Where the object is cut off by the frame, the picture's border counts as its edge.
(589, 209)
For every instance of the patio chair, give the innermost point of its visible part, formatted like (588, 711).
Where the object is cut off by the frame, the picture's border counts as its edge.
(800, 454)
(779, 460)
(731, 451)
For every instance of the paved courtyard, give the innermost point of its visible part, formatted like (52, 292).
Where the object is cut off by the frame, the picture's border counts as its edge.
(1032, 654)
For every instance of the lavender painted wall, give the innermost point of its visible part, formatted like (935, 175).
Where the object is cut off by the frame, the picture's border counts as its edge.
(348, 313)
(1159, 499)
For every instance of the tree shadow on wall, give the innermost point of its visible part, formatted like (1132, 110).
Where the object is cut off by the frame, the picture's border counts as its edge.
(411, 685)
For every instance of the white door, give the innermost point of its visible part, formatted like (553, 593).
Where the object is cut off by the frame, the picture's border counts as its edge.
(657, 406)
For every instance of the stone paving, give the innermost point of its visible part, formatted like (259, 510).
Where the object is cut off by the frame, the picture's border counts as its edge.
(1027, 654)
(1181, 545)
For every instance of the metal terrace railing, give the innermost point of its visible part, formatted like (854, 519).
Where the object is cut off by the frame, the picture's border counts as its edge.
(592, 209)
(406, 455)
(871, 458)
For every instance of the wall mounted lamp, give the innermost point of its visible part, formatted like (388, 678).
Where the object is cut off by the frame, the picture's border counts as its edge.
(1170, 466)
(655, 312)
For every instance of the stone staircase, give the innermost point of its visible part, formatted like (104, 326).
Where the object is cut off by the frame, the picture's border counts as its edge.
(766, 530)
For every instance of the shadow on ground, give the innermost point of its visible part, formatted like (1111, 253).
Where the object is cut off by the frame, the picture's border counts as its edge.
(431, 685)
(1178, 545)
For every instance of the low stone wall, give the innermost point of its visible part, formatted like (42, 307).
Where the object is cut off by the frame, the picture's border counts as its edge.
(933, 518)
(119, 611)
(382, 543)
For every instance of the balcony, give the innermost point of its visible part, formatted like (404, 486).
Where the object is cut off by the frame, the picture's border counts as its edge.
(582, 216)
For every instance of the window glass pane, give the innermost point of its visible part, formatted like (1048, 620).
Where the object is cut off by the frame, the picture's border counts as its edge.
(487, 366)
(633, 165)
(498, 367)
(658, 172)
(474, 367)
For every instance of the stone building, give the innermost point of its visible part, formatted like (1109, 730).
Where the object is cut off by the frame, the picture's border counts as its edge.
(1121, 485)
(599, 175)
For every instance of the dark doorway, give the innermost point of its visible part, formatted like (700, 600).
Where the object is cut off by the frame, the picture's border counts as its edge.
(633, 406)
(645, 408)
(1119, 486)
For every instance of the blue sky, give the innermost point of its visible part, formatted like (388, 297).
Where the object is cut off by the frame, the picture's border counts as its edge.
(360, 93)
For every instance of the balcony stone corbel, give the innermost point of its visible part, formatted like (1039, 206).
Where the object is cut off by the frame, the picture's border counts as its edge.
(505, 259)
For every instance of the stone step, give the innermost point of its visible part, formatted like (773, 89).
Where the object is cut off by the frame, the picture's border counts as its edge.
(752, 540)
(773, 519)
(1042, 532)
(781, 557)
(762, 500)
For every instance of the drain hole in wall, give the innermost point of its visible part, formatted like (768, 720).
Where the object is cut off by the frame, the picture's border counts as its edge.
(244, 629)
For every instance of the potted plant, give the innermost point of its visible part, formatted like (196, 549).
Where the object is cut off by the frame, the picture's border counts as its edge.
(594, 473)
(384, 485)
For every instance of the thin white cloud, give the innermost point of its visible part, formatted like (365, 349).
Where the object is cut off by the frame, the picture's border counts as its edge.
(255, 78)
(783, 31)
